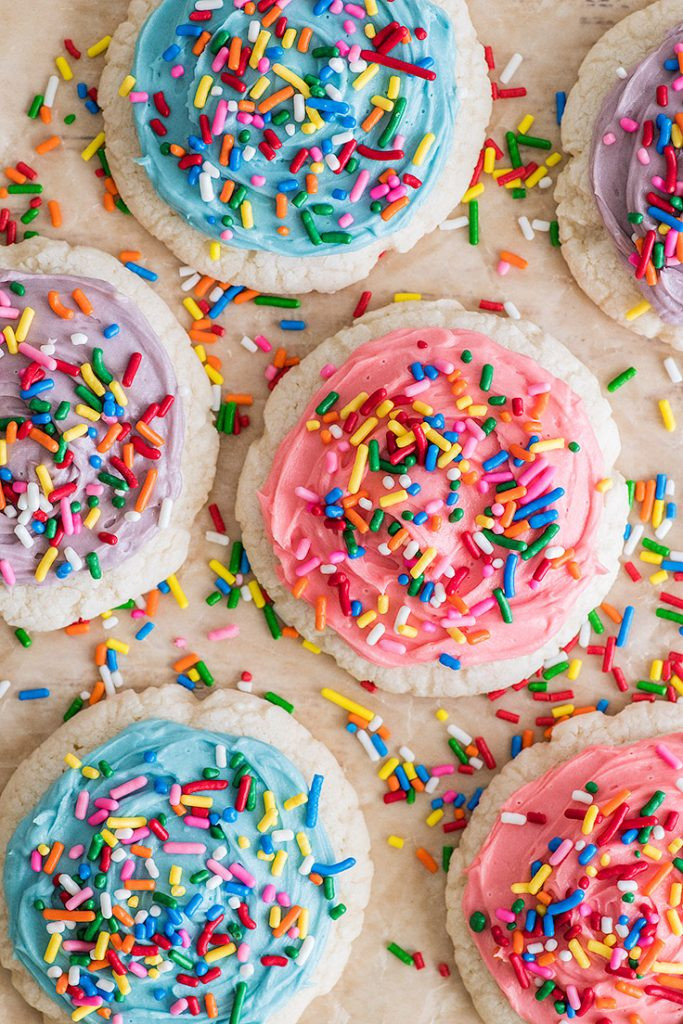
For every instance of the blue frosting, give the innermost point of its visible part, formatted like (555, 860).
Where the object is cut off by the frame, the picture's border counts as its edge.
(165, 43)
(167, 753)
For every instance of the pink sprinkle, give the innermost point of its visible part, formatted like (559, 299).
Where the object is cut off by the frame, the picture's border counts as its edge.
(609, 139)
(263, 343)
(503, 268)
(443, 769)
(38, 357)
(220, 60)
(243, 952)
(541, 388)
(128, 870)
(219, 869)
(268, 894)
(78, 898)
(177, 71)
(563, 850)
(192, 821)
(328, 371)
(7, 572)
(643, 156)
(185, 848)
(283, 899)
(175, 795)
(542, 972)
(668, 756)
(129, 787)
(345, 220)
(349, 27)
(677, 84)
(76, 852)
(628, 124)
(263, 65)
(307, 566)
(82, 802)
(36, 861)
(138, 969)
(387, 644)
(219, 117)
(97, 818)
(138, 97)
(505, 915)
(179, 1007)
(9, 313)
(76, 946)
(258, 180)
(359, 186)
(226, 235)
(185, 938)
(106, 803)
(224, 632)
(242, 875)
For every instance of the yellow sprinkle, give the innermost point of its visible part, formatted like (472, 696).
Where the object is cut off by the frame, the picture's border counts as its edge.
(539, 879)
(473, 193)
(219, 952)
(348, 705)
(657, 578)
(589, 820)
(52, 950)
(423, 148)
(635, 311)
(44, 479)
(192, 308)
(409, 769)
(382, 102)
(243, 843)
(214, 376)
(574, 668)
(525, 124)
(291, 78)
(101, 945)
(303, 844)
(257, 595)
(3, 454)
(601, 948)
(394, 498)
(388, 768)
(553, 159)
(109, 838)
(89, 772)
(364, 430)
(64, 69)
(383, 604)
(274, 917)
(44, 564)
(87, 413)
(126, 85)
(295, 801)
(221, 570)
(371, 8)
(92, 517)
(577, 951)
(435, 817)
(92, 147)
(489, 160)
(310, 647)
(551, 444)
(73, 432)
(214, 251)
(10, 339)
(442, 715)
(449, 456)
(407, 296)
(423, 562)
(675, 845)
(674, 922)
(259, 87)
(656, 669)
(94, 51)
(72, 761)
(247, 214)
(366, 618)
(394, 87)
(675, 893)
(396, 842)
(560, 710)
(196, 801)
(24, 325)
(651, 557)
(666, 412)
(118, 393)
(177, 591)
(81, 1012)
(259, 48)
(361, 80)
(667, 967)
(120, 646)
(657, 512)
(135, 822)
(278, 864)
(354, 405)
(384, 408)
(289, 38)
(535, 176)
(356, 478)
(604, 485)
(302, 923)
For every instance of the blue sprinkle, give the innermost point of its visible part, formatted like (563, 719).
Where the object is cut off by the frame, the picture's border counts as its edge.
(515, 746)
(449, 661)
(36, 694)
(149, 756)
(625, 627)
(148, 275)
(171, 52)
(82, 90)
(144, 631)
(111, 331)
(293, 325)
(186, 682)
(560, 104)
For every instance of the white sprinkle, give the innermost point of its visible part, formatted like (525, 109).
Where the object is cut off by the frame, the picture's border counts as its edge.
(582, 797)
(454, 224)
(189, 283)
(621, 72)
(254, 29)
(79, 338)
(510, 68)
(110, 622)
(482, 542)
(217, 538)
(433, 784)
(105, 905)
(4, 687)
(152, 869)
(526, 228)
(305, 949)
(663, 528)
(206, 190)
(165, 513)
(306, 865)
(221, 756)
(512, 311)
(132, 516)
(627, 885)
(407, 754)
(585, 634)
(248, 344)
(375, 723)
(460, 735)
(50, 91)
(374, 636)
(545, 182)
(671, 367)
(540, 225)
(247, 970)
(511, 818)
(633, 538)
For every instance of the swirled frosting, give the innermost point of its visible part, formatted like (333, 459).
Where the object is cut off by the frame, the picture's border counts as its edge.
(157, 785)
(437, 500)
(635, 177)
(347, 153)
(75, 458)
(574, 898)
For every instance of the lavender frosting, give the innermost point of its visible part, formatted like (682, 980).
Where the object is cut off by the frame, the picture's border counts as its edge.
(154, 380)
(621, 182)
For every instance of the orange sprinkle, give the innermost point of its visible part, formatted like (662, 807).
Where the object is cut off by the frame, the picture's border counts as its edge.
(320, 613)
(373, 118)
(648, 502)
(108, 202)
(629, 990)
(97, 693)
(200, 45)
(541, 404)
(146, 490)
(477, 636)
(204, 285)
(109, 438)
(304, 39)
(357, 521)
(288, 921)
(659, 876)
(77, 916)
(110, 186)
(177, 150)
(128, 455)
(123, 916)
(521, 453)
(53, 857)
(187, 661)
(511, 495)
(239, 398)
(300, 586)
(514, 259)
(234, 53)
(211, 1007)
(58, 307)
(150, 435)
(248, 106)
(45, 114)
(272, 15)
(426, 858)
(246, 296)
(648, 958)
(82, 301)
(393, 208)
(101, 654)
(281, 205)
(393, 784)
(311, 184)
(152, 603)
(48, 144)
(227, 143)
(130, 255)
(16, 176)
(55, 212)
(290, 632)
(640, 490)
(44, 440)
(141, 884)
(141, 851)
(527, 738)
(611, 612)
(574, 570)
(277, 97)
(62, 984)
(602, 1002)
(76, 628)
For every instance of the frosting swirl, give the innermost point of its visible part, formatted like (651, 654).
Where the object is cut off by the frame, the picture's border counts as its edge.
(122, 834)
(437, 500)
(295, 137)
(572, 898)
(635, 179)
(90, 420)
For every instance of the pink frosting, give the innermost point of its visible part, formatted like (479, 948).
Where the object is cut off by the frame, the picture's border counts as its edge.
(626, 776)
(305, 469)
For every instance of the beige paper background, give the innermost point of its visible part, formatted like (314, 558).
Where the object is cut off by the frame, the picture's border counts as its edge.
(407, 902)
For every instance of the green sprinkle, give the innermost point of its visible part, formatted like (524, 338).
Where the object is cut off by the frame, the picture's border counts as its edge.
(595, 622)
(473, 206)
(648, 687)
(62, 410)
(23, 637)
(93, 564)
(664, 613)
(550, 531)
(591, 787)
(30, 215)
(98, 366)
(652, 545)
(534, 142)
(466, 356)
(478, 921)
(328, 887)
(513, 149)
(30, 188)
(503, 604)
(182, 959)
(240, 996)
(393, 122)
(328, 401)
(204, 673)
(233, 598)
(574, 446)
(458, 750)
(275, 698)
(486, 378)
(167, 901)
(73, 709)
(377, 520)
(34, 109)
(277, 300)
(337, 912)
(634, 217)
(621, 378)
(555, 670)
(106, 769)
(446, 854)
(505, 542)
(199, 877)
(545, 990)
(400, 954)
(554, 233)
(271, 619)
(214, 598)
(654, 803)
(336, 237)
